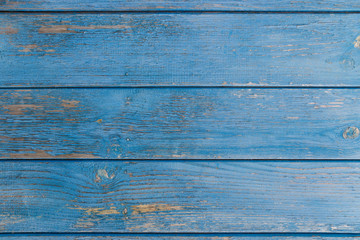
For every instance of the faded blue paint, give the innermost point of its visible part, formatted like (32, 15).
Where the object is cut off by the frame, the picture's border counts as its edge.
(180, 196)
(182, 5)
(179, 50)
(179, 123)
(178, 199)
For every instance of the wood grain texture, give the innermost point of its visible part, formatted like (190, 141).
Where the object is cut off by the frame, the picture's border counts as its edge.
(179, 50)
(180, 123)
(253, 5)
(193, 196)
(199, 237)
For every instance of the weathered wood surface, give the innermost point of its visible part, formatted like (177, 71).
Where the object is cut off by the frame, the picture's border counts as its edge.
(180, 123)
(232, 5)
(192, 196)
(174, 237)
(179, 50)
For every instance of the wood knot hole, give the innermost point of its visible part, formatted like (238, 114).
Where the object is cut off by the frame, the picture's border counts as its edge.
(351, 133)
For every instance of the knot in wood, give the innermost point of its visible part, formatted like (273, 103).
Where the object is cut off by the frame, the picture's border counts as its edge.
(351, 133)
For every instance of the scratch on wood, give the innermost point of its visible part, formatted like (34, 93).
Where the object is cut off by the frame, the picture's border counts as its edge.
(71, 28)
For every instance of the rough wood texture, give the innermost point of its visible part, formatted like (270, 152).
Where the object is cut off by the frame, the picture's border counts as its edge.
(254, 5)
(193, 196)
(180, 123)
(199, 237)
(179, 49)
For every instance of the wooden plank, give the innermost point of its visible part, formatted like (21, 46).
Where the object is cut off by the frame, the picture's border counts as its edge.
(179, 50)
(232, 5)
(199, 237)
(192, 196)
(180, 123)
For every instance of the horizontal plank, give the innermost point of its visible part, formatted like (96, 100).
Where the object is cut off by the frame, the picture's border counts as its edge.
(192, 196)
(174, 236)
(179, 50)
(180, 123)
(232, 5)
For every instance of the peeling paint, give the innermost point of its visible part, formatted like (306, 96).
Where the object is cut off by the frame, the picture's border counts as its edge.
(357, 42)
(34, 47)
(98, 211)
(20, 109)
(85, 223)
(151, 208)
(8, 30)
(42, 154)
(69, 103)
(102, 173)
(71, 28)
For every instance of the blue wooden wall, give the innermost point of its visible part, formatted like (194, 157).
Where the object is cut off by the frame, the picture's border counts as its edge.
(177, 119)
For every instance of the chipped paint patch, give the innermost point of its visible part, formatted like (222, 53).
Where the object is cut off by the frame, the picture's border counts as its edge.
(34, 47)
(20, 109)
(98, 211)
(101, 174)
(28, 48)
(151, 208)
(92, 216)
(178, 155)
(327, 106)
(85, 223)
(147, 226)
(69, 103)
(42, 154)
(8, 30)
(72, 28)
(357, 42)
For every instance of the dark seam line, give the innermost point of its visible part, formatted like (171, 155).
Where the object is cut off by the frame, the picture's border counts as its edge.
(191, 234)
(177, 12)
(165, 86)
(173, 160)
